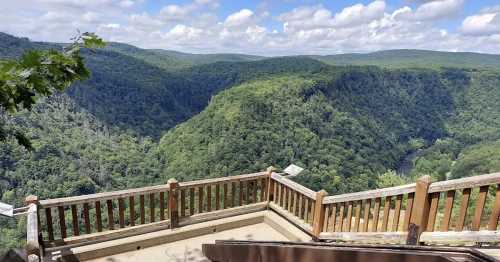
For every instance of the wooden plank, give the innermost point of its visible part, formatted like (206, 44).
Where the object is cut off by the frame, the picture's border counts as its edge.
(173, 201)
(254, 194)
(366, 215)
(295, 202)
(131, 206)
(464, 183)
(275, 191)
(420, 213)
(481, 200)
(387, 209)
(183, 202)
(32, 242)
(409, 208)
(121, 212)
(333, 218)
(209, 198)
(48, 219)
(191, 201)
(162, 205)
(291, 218)
(301, 209)
(463, 209)
(341, 217)
(240, 198)
(230, 212)
(86, 218)
(74, 200)
(111, 220)
(378, 193)
(225, 197)
(448, 208)
(247, 194)
(376, 213)
(433, 211)
(349, 217)
(306, 210)
(461, 237)
(397, 213)
(98, 218)
(289, 198)
(74, 220)
(62, 221)
(263, 189)
(233, 194)
(200, 200)
(357, 215)
(319, 213)
(212, 181)
(495, 213)
(366, 237)
(217, 197)
(294, 185)
(151, 208)
(326, 219)
(142, 209)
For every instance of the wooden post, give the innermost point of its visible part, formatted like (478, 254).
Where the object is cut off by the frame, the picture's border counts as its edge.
(33, 228)
(270, 184)
(420, 212)
(319, 215)
(172, 203)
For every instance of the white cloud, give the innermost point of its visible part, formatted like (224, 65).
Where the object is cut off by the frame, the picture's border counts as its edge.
(197, 27)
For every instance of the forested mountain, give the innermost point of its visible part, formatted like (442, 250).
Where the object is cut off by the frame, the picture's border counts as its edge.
(147, 115)
(415, 58)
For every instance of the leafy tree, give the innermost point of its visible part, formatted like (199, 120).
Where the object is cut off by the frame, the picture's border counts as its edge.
(40, 73)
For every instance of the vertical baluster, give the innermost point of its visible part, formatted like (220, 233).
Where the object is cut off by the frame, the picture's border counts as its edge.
(433, 211)
(366, 215)
(183, 202)
(290, 199)
(241, 189)
(191, 201)
(481, 200)
(62, 221)
(263, 189)
(121, 212)
(409, 207)
(254, 194)
(131, 206)
(162, 206)
(327, 218)
(387, 209)
(306, 209)
(280, 199)
(448, 207)
(301, 209)
(200, 200)
(333, 218)
(74, 216)
(111, 221)
(357, 216)
(495, 213)
(217, 197)
(233, 194)
(275, 192)
(376, 213)
(397, 213)
(246, 197)
(463, 209)
(151, 207)
(295, 202)
(209, 198)
(86, 219)
(142, 209)
(341, 218)
(98, 217)
(349, 216)
(224, 206)
(48, 218)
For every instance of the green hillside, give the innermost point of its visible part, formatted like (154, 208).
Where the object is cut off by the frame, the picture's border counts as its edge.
(415, 58)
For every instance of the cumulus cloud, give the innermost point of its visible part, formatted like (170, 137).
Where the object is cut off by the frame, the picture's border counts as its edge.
(197, 26)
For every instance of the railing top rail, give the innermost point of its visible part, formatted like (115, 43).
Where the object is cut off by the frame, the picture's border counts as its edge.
(467, 182)
(64, 201)
(209, 181)
(294, 185)
(384, 192)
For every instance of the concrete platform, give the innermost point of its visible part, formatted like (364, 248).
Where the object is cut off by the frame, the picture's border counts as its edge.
(184, 243)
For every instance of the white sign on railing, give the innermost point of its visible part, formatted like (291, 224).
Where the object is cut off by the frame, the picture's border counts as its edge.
(6, 210)
(293, 170)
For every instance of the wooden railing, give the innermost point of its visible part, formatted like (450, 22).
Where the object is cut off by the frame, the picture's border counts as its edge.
(455, 211)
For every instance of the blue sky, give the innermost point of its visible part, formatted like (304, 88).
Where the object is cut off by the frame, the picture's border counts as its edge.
(265, 27)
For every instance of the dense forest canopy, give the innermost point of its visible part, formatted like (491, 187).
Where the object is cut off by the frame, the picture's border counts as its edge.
(148, 115)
